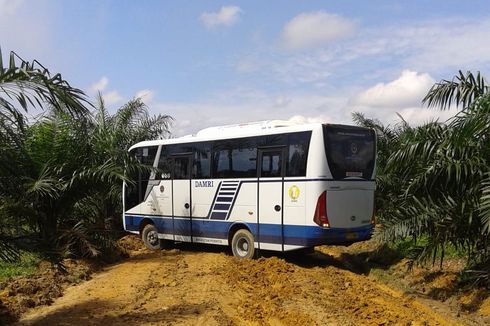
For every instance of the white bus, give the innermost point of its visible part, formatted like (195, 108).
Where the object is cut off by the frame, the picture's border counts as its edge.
(271, 185)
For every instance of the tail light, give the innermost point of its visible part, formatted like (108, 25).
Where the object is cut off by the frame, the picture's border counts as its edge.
(320, 216)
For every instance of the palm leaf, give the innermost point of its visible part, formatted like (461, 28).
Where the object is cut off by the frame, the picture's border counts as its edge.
(462, 90)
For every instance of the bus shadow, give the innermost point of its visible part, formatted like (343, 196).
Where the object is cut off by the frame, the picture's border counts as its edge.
(352, 263)
(196, 247)
(357, 262)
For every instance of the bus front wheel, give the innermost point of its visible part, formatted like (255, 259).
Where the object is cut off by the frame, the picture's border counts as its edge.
(150, 237)
(242, 244)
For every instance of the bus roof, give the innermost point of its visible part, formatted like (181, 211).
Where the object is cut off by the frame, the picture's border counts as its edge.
(250, 129)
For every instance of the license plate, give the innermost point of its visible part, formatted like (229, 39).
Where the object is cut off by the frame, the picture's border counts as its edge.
(351, 235)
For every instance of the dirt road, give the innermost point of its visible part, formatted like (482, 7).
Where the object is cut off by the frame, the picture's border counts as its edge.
(189, 287)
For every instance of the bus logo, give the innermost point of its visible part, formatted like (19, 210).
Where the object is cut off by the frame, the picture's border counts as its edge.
(294, 193)
(353, 148)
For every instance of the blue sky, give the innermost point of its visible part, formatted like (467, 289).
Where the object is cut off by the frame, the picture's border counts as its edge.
(218, 62)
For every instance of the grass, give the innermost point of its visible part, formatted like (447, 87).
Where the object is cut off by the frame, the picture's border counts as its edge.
(388, 272)
(386, 276)
(405, 246)
(27, 265)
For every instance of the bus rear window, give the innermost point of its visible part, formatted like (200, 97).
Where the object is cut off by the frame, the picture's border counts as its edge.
(350, 151)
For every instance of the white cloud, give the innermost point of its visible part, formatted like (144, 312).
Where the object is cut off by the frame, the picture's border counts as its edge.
(300, 70)
(112, 97)
(401, 96)
(436, 45)
(238, 105)
(9, 7)
(407, 90)
(100, 85)
(315, 29)
(439, 47)
(226, 16)
(301, 119)
(192, 117)
(282, 101)
(456, 45)
(146, 95)
(419, 115)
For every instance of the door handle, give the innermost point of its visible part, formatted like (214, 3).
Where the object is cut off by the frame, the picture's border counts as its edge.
(187, 205)
(277, 208)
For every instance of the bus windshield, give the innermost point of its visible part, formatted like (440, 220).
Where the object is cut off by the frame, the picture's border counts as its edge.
(350, 151)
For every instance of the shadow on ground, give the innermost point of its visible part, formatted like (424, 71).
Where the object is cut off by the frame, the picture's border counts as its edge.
(6, 316)
(85, 313)
(359, 262)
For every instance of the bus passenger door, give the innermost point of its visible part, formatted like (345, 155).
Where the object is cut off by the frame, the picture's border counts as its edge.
(182, 202)
(271, 169)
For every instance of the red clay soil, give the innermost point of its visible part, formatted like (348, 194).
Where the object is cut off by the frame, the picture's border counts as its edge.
(206, 286)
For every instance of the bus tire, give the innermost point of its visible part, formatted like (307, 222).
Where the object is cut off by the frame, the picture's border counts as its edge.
(242, 244)
(150, 237)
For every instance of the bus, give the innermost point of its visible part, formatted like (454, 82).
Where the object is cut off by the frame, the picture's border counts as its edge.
(270, 185)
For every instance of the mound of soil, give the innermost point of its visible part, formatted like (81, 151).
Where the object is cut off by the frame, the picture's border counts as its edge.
(200, 285)
(130, 243)
(17, 295)
(423, 280)
(266, 286)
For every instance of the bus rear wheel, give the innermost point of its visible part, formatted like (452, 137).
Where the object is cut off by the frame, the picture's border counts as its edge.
(150, 237)
(242, 244)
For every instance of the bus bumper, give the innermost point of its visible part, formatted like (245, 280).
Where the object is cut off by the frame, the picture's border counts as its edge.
(317, 236)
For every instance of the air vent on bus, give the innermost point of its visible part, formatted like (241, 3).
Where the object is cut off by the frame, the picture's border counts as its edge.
(235, 129)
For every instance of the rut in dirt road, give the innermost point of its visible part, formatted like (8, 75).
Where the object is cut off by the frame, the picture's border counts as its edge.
(174, 287)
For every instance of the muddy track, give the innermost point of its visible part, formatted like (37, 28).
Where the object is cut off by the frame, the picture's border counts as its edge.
(189, 287)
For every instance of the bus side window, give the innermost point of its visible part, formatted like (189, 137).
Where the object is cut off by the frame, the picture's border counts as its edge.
(298, 154)
(271, 164)
(181, 168)
(201, 167)
(222, 160)
(131, 188)
(164, 165)
(146, 156)
(236, 158)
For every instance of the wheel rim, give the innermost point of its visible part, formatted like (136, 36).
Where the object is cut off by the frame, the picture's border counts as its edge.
(152, 237)
(242, 247)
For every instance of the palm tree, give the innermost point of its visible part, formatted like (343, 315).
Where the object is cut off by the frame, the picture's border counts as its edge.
(441, 171)
(389, 139)
(71, 190)
(471, 92)
(26, 84)
(111, 137)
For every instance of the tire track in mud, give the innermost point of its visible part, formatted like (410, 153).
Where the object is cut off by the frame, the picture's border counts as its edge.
(174, 287)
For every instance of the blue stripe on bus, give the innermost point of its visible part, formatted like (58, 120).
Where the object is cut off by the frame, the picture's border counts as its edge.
(299, 235)
(218, 215)
(224, 199)
(222, 206)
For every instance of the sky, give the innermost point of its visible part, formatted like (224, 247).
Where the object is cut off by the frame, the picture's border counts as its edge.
(209, 63)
